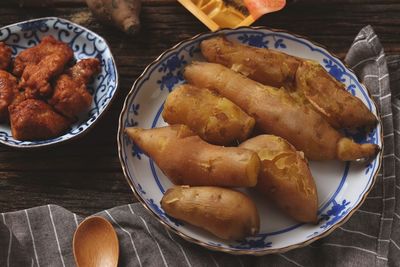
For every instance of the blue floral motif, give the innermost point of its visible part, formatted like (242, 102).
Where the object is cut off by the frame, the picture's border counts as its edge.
(368, 167)
(334, 70)
(38, 25)
(130, 123)
(256, 242)
(137, 152)
(256, 40)
(111, 69)
(360, 135)
(279, 44)
(335, 214)
(170, 80)
(161, 213)
(371, 137)
(172, 64)
(140, 188)
(194, 49)
(134, 109)
(352, 89)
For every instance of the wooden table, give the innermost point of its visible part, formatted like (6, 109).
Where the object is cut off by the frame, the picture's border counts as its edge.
(85, 176)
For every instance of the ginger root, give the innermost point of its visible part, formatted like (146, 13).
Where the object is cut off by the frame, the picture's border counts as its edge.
(123, 14)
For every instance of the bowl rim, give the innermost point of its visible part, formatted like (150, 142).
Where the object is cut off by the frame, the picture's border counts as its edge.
(227, 250)
(87, 129)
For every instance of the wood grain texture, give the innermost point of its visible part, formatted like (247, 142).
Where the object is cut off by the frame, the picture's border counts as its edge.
(84, 175)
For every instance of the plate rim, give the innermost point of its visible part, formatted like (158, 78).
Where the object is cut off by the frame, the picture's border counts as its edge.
(227, 250)
(87, 130)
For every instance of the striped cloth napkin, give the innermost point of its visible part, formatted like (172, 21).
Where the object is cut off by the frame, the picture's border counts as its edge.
(42, 236)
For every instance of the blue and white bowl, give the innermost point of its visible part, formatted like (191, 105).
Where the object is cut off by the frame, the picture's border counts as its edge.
(85, 44)
(342, 186)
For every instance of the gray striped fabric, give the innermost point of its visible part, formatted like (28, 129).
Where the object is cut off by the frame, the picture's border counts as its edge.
(42, 236)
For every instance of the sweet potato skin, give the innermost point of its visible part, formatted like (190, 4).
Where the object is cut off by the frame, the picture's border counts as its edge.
(214, 118)
(285, 177)
(188, 160)
(263, 65)
(226, 213)
(303, 77)
(275, 111)
(328, 96)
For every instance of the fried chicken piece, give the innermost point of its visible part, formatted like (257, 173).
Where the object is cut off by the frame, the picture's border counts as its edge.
(5, 56)
(32, 56)
(39, 64)
(70, 94)
(35, 78)
(9, 93)
(34, 119)
(84, 69)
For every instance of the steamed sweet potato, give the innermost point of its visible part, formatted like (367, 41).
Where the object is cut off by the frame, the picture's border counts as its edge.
(214, 118)
(285, 177)
(276, 112)
(225, 213)
(188, 160)
(308, 79)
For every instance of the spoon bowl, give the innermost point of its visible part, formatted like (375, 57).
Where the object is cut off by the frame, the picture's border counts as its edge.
(95, 243)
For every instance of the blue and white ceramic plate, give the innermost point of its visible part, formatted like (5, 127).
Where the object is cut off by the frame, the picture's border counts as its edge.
(85, 44)
(342, 187)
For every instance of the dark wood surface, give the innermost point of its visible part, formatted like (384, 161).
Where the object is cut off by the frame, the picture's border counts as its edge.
(85, 176)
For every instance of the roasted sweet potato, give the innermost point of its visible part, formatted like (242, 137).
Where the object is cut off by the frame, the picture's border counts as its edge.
(276, 112)
(214, 118)
(225, 213)
(188, 160)
(285, 177)
(330, 97)
(263, 65)
(307, 78)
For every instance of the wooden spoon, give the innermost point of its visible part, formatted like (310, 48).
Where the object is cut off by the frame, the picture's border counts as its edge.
(95, 243)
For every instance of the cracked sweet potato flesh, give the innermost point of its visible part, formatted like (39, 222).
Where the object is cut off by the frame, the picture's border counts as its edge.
(277, 113)
(285, 177)
(306, 78)
(214, 118)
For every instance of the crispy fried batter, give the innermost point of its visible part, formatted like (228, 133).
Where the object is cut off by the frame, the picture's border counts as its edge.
(70, 94)
(9, 93)
(33, 55)
(5, 56)
(34, 119)
(37, 65)
(84, 70)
